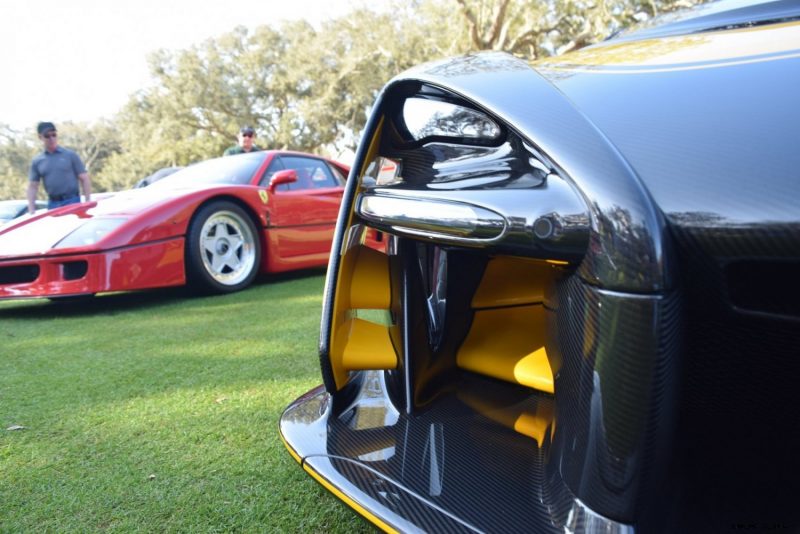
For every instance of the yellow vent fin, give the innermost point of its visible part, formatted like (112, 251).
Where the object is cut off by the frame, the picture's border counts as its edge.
(512, 282)
(369, 286)
(508, 344)
(367, 346)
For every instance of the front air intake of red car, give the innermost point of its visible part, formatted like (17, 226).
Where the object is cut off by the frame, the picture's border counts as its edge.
(18, 274)
(75, 270)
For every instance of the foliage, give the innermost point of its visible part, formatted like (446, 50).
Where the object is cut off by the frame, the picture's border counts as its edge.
(203, 95)
(352, 58)
(307, 88)
(301, 88)
(157, 412)
(96, 143)
(16, 152)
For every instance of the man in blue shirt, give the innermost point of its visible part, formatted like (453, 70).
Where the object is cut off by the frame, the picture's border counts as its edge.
(60, 169)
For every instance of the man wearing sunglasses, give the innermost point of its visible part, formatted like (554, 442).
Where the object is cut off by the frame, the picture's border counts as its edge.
(247, 136)
(60, 169)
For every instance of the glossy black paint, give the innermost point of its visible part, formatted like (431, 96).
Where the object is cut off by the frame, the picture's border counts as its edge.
(735, 460)
(674, 343)
(625, 247)
(715, 15)
(717, 149)
(615, 360)
(418, 473)
(718, 156)
(620, 208)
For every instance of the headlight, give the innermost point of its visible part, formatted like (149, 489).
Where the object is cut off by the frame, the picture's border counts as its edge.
(425, 118)
(449, 172)
(89, 233)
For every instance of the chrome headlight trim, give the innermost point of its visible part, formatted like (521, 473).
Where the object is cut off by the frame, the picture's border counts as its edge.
(456, 222)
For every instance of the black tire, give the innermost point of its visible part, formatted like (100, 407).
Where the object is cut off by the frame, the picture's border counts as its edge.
(223, 250)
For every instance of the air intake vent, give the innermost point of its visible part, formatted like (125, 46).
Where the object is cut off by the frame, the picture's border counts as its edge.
(73, 270)
(18, 274)
(765, 286)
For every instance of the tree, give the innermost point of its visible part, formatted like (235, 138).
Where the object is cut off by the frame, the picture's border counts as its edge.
(302, 88)
(95, 143)
(307, 88)
(201, 96)
(16, 152)
(343, 66)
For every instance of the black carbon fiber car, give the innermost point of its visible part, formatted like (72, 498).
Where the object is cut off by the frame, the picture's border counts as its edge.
(586, 317)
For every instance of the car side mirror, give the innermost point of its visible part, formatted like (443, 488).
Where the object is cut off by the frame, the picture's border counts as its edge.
(287, 176)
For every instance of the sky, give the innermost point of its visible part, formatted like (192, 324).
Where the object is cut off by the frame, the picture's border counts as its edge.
(80, 60)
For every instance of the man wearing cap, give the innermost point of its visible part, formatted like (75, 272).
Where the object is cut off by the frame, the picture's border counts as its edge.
(60, 169)
(246, 137)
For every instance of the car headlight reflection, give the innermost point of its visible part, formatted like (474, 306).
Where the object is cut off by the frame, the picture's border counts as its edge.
(89, 233)
(382, 172)
(426, 118)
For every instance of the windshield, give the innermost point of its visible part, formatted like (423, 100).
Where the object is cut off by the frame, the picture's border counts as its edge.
(226, 170)
(9, 210)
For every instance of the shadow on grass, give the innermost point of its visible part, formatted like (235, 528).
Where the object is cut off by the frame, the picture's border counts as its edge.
(112, 303)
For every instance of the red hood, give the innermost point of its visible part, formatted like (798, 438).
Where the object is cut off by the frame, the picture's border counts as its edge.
(39, 234)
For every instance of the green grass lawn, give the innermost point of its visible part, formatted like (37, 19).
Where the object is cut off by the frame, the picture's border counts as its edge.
(158, 412)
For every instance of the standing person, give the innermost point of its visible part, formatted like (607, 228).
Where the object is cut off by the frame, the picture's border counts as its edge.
(60, 168)
(246, 137)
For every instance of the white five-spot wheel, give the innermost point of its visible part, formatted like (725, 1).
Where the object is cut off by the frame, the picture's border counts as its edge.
(222, 248)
